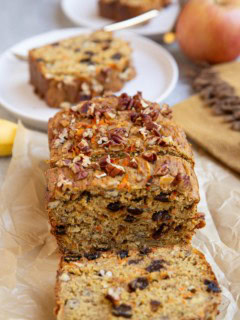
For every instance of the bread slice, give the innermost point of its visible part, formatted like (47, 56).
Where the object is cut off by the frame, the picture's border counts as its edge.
(171, 283)
(121, 176)
(78, 68)
(125, 9)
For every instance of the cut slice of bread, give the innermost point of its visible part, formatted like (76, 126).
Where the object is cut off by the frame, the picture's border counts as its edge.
(170, 283)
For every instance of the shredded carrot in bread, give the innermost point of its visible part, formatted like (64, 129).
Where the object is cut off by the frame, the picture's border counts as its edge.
(124, 182)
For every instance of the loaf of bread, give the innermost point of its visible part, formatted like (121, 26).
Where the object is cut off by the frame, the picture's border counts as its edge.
(125, 9)
(78, 68)
(122, 176)
(171, 283)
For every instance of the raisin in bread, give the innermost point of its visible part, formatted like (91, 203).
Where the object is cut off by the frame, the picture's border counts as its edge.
(122, 176)
(78, 68)
(172, 283)
(126, 9)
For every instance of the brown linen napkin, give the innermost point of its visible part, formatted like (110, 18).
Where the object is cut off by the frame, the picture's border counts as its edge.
(208, 130)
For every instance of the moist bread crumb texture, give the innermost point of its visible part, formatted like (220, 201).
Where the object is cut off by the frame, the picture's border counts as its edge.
(121, 176)
(171, 283)
(126, 9)
(78, 68)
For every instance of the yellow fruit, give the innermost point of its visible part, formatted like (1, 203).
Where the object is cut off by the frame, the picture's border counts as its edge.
(7, 136)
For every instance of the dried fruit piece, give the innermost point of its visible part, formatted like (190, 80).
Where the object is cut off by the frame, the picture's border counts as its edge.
(123, 254)
(129, 218)
(158, 233)
(72, 258)
(156, 265)
(155, 304)
(115, 206)
(139, 283)
(161, 215)
(163, 197)
(123, 310)
(92, 255)
(134, 261)
(145, 251)
(60, 230)
(212, 286)
(135, 211)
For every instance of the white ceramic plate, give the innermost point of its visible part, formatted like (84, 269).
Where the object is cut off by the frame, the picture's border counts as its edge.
(85, 13)
(157, 74)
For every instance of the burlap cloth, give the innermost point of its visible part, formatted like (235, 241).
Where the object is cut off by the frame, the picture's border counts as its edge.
(210, 131)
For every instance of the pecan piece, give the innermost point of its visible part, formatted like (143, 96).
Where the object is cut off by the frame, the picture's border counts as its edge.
(82, 174)
(114, 170)
(150, 157)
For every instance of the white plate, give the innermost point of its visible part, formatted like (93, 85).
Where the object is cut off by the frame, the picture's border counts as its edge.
(157, 74)
(85, 13)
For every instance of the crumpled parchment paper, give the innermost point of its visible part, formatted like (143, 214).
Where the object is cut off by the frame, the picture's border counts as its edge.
(28, 253)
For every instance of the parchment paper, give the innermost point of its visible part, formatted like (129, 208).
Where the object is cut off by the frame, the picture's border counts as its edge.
(29, 260)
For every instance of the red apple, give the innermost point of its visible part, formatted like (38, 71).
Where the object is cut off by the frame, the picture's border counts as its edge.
(209, 30)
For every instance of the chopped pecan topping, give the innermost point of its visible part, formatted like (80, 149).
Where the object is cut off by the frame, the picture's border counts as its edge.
(85, 107)
(143, 132)
(182, 178)
(109, 115)
(150, 157)
(116, 135)
(162, 170)
(102, 140)
(88, 133)
(125, 102)
(99, 176)
(134, 116)
(82, 174)
(144, 103)
(114, 170)
(83, 145)
(104, 161)
(133, 164)
(62, 181)
(166, 111)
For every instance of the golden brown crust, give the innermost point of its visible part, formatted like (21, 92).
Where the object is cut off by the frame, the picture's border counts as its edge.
(77, 68)
(173, 283)
(125, 155)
